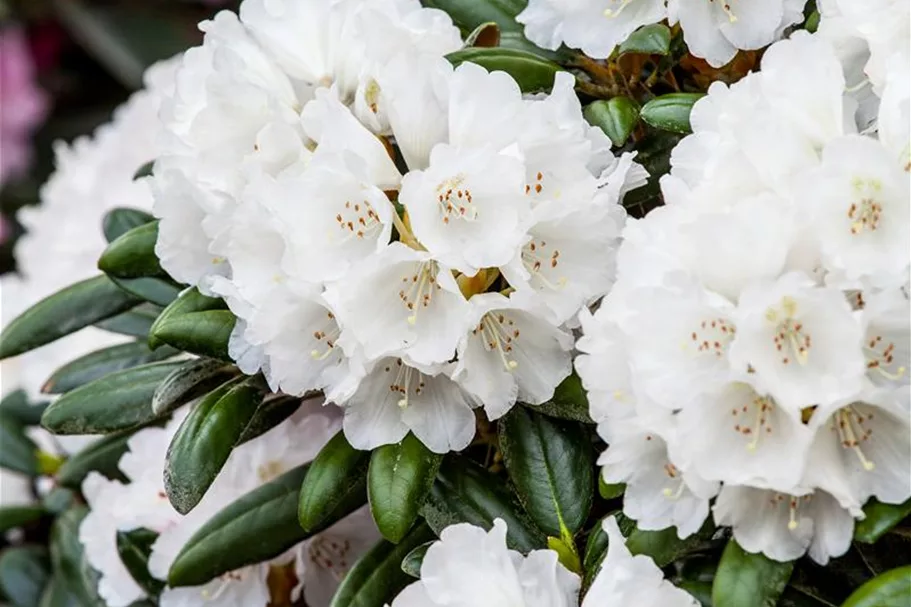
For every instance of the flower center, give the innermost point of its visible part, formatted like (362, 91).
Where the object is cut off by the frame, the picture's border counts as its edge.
(402, 383)
(790, 339)
(881, 356)
(372, 96)
(793, 503)
(357, 219)
(537, 257)
(499, 332)
(330, 553)
(713, 336)
(753, 419)
(325, 338)
(673, 473)
(417, 290)
(864, 216)
(455, 201)
(226, 579)
(537, 186)
(848, 424)
(270, 470)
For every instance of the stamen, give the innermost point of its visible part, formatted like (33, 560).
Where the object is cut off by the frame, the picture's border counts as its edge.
(881, 355)
(713, 336)
(402, 384)
(792, 514)
(790, 339)
(536, 261)
(612, 13)
(455, 201)
(753, 420)
(356, 220)
(852, 437)
(327, 334)
(420, 289)
(498, 332)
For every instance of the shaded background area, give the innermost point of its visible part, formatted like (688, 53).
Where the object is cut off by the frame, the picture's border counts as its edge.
(87, 57)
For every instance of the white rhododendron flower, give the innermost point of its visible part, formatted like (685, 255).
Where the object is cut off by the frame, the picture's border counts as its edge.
(760, 319)
(472, 567)
(142, 503)
(713, 29)
(63, 236)
(413, 292)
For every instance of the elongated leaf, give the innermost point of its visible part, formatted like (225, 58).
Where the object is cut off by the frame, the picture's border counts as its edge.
(259, 526)
(378, 577)
(653, 39)
(135, 322)
(69, 560)
(101, 456)
(132, 254)
(56, 594)
(593, 556)
(17, 516)
(670, 112)
(270, 413)
(23, 574)
(617, 117)
(398, 481)
(466, 493)
(610, 491)
(19, 453)
(337, 475)
(569, 402)
(748, 580)
(204, 333)
(189, 301)
(879, 519)
(120, 220)
(58, 500)
(412, 562)
(551, 463)
(118, 401)
(206, 438)
(891, 589)
(134, 548)
(64, 312)
(102, 362)
(189, 381)
(532, 72)
(485, 35)
(469, 14)
(157, 291)
(518, 41)
(664, 547)
(17, 407)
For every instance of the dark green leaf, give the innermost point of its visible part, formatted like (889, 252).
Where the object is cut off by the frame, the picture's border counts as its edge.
(19, 453)
(595, 551)
(66, 311)
(664, 547)
(466, 493)
(102, 362)
(259, 526)
(654, 39)
(135, 322)
(337, 475)
(519, 42)
(56, 594)
(145, 170)
(378, 577)
(132, 254)
(485, 35)
(204, 333)
(190, 300)
(891, 589)
(17, 516)
(812, 23)
(569, 402)
(610, 491)
(469, 14)
(134, 548)
(879, 519)
(121, 220)
(271, 412)
(411, 564)
(532, 72)
(670, 112)
(701, 591)
(16, 406)
(748, 580)
(69, 560)
(23, 574)
(551, 462)
(398, 480)
(101, 456)
(153, 290)
(188, 382)
(206, 438)
(58, 500)
(617, 117)
(118, 401)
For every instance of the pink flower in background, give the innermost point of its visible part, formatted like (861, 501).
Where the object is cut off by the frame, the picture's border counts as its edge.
(22, 104)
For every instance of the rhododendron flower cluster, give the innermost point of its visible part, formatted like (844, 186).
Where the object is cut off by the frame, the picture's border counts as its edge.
(759, 327)
(411, 288)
